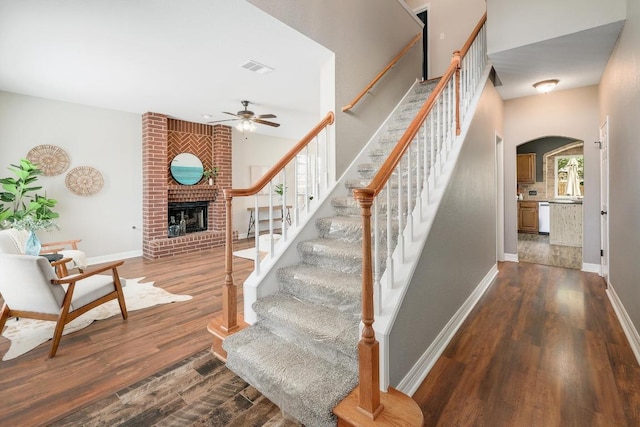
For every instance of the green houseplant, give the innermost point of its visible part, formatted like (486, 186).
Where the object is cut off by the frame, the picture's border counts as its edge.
(21, 207)
(211, 174)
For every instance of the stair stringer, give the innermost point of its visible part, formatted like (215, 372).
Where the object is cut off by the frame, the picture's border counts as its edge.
(388, 303)
(286, 253)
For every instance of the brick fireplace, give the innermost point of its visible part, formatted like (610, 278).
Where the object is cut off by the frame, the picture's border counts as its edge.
(162, 139)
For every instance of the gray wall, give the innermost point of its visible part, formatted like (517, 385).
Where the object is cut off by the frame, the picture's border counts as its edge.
(620, 101)
(514, 23)
(461, 247)
(571, 113)
(365, 36)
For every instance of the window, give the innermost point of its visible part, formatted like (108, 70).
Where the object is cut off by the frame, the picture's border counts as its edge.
(569, 176)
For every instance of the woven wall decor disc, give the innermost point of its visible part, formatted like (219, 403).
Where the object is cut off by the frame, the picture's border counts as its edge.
(84, 181)
(52, 160)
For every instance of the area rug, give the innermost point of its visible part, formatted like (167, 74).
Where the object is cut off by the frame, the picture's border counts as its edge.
(27, 334)
(249, 254)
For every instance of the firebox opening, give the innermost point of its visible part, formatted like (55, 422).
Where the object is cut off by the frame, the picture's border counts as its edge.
(187, 217)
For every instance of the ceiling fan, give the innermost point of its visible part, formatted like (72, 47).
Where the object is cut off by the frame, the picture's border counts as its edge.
(248, 118)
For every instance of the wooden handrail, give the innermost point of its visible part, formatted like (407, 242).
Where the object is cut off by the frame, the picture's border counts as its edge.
(472, 37)
(271, 173)
(380, 179)
(382, 73)
(369, 367)
(229, 322)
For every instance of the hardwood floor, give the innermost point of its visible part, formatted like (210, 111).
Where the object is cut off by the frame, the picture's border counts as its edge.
(542, 348)
(111, 354)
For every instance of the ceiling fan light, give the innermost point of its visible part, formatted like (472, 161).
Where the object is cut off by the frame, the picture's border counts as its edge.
(546, 86)
(239, 126)
(246, 125)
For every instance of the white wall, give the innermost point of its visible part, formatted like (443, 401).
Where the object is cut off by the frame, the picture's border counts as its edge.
(569, 113)
(513, 23)
(107, 140)
(620, 100)
(253, 149)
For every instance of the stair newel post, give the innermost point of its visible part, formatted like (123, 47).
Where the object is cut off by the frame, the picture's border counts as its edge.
(227, 322)
(456, 61)
(229, 292)
(368, 347)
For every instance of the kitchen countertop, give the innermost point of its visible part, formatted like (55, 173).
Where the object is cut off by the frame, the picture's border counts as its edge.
(566, 201)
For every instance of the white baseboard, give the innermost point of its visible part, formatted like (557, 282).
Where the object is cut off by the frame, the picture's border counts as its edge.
(591, 268)
(511, 257)
(627, 325)
(419, 371)
(114, 257)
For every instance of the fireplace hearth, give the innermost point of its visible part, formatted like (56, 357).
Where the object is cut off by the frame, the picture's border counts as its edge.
(187, 217)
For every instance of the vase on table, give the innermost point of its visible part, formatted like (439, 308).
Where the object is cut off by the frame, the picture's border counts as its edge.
(32, 245)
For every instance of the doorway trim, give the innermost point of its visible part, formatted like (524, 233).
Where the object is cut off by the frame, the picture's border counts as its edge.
(604, 200)
(499, 173)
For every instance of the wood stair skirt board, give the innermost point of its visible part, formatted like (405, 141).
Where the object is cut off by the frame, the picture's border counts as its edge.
(219, 334)
(302, 351)
(398, 409)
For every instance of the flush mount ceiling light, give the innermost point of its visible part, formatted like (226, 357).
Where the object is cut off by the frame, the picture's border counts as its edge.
(546, 86)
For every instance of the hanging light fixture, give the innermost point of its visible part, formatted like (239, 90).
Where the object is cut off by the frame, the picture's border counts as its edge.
(245, 125)
(546, 86)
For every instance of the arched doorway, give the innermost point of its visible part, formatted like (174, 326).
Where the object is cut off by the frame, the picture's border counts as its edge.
(550, 219)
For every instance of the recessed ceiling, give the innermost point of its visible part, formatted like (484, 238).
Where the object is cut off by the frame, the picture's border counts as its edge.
(181, 58)
(576, 60)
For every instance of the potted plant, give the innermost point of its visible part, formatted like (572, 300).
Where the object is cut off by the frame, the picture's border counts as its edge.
(22, 208)
(211, 174)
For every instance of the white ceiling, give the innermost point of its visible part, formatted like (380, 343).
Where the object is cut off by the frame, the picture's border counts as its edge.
(183, 58)
(180, 58)
(577, 60)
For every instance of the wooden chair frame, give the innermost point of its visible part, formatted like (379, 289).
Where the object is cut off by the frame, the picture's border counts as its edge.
(65, 316)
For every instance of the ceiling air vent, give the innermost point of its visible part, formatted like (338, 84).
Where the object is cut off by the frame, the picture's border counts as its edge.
(256, 67)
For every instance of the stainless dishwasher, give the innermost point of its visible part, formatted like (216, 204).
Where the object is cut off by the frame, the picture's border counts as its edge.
(544, 218)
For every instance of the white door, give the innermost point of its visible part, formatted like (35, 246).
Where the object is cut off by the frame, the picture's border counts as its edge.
(604, 200)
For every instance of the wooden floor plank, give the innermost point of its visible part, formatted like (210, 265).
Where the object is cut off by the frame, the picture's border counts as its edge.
(542, 348)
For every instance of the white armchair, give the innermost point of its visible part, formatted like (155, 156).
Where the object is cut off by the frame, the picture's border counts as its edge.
(31, 289)
(12, 241)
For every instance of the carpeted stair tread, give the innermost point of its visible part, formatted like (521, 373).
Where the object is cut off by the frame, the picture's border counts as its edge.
(315, 324)
(302, 384)
(340, 291)
(332, 254)
(302, 351)
(346, 228)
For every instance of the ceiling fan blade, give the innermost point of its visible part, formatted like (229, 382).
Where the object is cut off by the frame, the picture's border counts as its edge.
(266, 116)
(231, 114)
(220, 121)
(264, 122)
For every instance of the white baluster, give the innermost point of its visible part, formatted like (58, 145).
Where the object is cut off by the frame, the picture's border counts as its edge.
(389, 243)
(256, 228)
(399, 209)
(377, 290)
(409, 194)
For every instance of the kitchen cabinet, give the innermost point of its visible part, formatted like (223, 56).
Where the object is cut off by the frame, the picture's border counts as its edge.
(527, 217)
(526, 168)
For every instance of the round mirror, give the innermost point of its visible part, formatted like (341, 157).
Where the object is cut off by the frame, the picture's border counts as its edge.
(186, 168)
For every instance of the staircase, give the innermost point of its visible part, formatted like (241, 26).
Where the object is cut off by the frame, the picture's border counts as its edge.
(302, 351)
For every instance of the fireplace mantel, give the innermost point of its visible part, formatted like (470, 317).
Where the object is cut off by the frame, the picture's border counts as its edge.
(195, 193)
